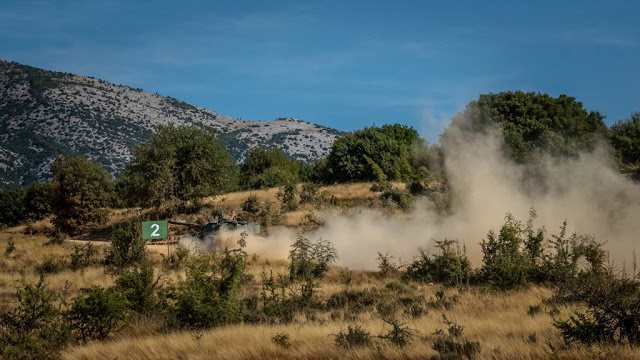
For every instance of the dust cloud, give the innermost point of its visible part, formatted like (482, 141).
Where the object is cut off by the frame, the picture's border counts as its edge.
(587, 191)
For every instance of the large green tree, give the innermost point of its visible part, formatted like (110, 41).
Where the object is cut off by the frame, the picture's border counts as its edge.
(625, 140)
(81, 192)
(533, 123)
(266, 168)
(180, 163)
(372, 154)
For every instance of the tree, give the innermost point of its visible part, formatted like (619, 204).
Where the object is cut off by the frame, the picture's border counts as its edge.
(372, 153)
(533, 123)
(81, 192)
(267, 168)
(624, 137)
(180, 163)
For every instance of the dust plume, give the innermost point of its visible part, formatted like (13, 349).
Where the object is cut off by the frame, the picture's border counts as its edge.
(587, 191)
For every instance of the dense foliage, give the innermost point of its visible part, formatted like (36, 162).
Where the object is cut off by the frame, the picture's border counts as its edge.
(372, 154)
(25, 205)
(267, 168)
(625, 140)
(180, 164)
(533, 123)
(81, 192)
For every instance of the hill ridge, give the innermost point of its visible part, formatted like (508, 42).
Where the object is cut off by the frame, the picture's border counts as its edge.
(45, 113)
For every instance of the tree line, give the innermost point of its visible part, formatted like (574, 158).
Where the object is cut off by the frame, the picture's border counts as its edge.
(180, 165)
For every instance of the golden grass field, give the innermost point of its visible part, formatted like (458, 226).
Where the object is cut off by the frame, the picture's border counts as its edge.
(499, 321)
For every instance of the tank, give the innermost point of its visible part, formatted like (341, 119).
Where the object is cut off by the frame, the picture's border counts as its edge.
(206, 237)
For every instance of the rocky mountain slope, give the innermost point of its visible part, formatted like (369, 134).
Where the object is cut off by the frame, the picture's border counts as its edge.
(44, 114)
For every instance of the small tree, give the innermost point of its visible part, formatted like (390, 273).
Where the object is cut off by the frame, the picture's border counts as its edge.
(127, 247)
(34, 330)
(310, 260)
(96, 313)
(81, 192)
(180, 164)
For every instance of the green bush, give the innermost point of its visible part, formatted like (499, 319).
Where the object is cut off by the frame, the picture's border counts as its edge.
(35, 329)
(96, 313)
(139, 287)
(209, 295)
(127, 246)
(287, 195)
(81, 192)
(310, 260)
(610, 311)
(450, 267)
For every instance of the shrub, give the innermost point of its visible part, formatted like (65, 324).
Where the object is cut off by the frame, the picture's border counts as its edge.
(354, 337)
(450, 267)
(176, 259)
(386, 266)
(49, 266)
(399, 334)
(611, 311)
(138, 286)
(34, 330)
(127, 247)
(83, 256)
(209, 295)
(287, 195)
(310, 260)
(353, 300)
(11, 247)
(452, 345)
(282, 339)
(96, 313)
(309, 193)
(513, 255)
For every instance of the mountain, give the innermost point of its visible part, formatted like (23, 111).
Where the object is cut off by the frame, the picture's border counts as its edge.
(44, 114)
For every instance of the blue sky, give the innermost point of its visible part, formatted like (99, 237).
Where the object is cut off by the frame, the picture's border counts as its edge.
(343, 64)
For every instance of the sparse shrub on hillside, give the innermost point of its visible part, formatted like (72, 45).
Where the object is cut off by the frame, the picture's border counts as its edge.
(139, 286)
(209, 295)
(288, 196)
(83, 256)
(386, 266)
(354, 337)
(452, 345)
(355, 301)
(50, 266)
(309, 193)
(176, 259)
(252, 205)
(310, 259)
(34, 329)
(96, 313)
(282, 339)
(515, 255)
(399, 334)
(261, 212)
(610, 311)
(310, 222)
(127, 247)
(450, 267)
(81, 192)
(11, 247)
(402, 198)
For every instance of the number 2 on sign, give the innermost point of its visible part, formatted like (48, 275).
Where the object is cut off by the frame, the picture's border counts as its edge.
(156, 228)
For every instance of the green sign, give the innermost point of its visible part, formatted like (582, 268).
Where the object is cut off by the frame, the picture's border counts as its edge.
(152, 230)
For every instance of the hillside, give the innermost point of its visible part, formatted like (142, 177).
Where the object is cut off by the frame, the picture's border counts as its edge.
(44, 114)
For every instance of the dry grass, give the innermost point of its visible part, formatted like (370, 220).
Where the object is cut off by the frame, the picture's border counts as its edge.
(499, 322)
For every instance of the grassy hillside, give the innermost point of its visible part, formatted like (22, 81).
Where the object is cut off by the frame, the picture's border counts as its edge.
(347, 304)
